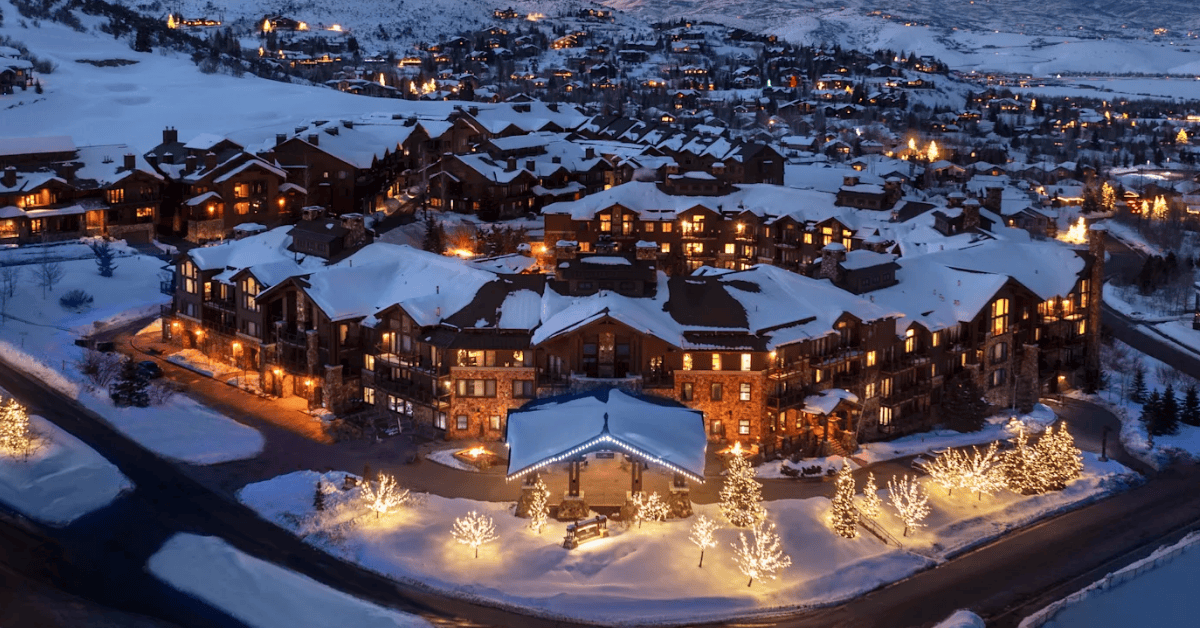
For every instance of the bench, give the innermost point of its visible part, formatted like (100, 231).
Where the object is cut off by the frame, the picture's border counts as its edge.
(586, 530)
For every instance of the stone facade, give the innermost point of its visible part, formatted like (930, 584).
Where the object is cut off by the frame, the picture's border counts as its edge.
(486, 416)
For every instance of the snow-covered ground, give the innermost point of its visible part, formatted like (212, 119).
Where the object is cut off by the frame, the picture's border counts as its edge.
(644, 575)
(997, 427)
(1128, 301)
(260, 594)
(962, 619)
(1181, 331)
(1155, 591)
(38, 337)
(446, 457)
(181, 429)
(62, 480)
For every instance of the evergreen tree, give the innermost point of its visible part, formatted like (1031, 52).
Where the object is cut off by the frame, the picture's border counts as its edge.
(319, 497)
(142, 41)
(1150, 410)
(1023, 468)
(1190, 414)
(131, 386)
(435, 236)
(104, 258)
(1168, 415)
(963, 405)
(842, 510)
(741, 496)
(1137, 393)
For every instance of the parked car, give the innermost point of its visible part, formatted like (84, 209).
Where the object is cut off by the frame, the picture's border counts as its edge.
(149, 369)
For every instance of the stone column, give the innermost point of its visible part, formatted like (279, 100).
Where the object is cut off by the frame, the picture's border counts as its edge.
(1095, 296)
(635, 475)
(312, 355)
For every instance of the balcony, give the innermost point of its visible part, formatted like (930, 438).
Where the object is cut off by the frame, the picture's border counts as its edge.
(412, 362)
(420, 392)
(225, 305)
(787, 399)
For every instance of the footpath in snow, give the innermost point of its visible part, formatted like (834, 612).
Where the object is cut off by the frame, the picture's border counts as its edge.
(62, 480)
(647, 574)
(263, 595)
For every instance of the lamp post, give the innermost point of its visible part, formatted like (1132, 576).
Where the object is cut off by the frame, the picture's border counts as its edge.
(1104, 444)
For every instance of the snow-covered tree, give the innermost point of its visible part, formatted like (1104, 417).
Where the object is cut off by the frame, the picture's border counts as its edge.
(131, 387)
(474, 530)
(948, 470)
(319, 497)
(539, 507)
(384, 497)
(703, 532)
(910, 500)
(741, 495)
(104, 258)
(16, 437)
(871, 502)
(842, 511)
(761, 558)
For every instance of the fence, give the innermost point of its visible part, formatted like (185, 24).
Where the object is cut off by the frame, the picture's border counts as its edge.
(1160, 557)
(872, 526)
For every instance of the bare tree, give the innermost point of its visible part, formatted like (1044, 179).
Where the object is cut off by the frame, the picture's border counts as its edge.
(10, 275)
(48, 272)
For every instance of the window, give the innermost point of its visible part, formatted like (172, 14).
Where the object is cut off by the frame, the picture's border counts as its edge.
(694, 248)
(999, 352)
(730, 249)
(685, 391)
(935, 339)
(744, 391)
(250, 290)
(746, 362)
(818, 376)
(145, 212)
(252, 328)
(869, 393)
(439, 420)
(460, 422)
(808, 238)
(368, 362)
(885, 387)
(648, 226)
(870, 358)
(716, 361)
(667, 226)
(687, 361)
(997, 378)
(744, 427)
(241, 190)
(626, 224)
(910, 341)
(718, 428)
(605, 223)
(715, 392)
(242, 207)
(522, 389)
(369, 396)
(190, 276)
(116, 196)
(494, 422)
(999, 316)
(476, 388)
(885, 416)
(665, 247)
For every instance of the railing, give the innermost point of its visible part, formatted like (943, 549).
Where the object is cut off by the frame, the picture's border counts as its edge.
(409, 389)
(227, 305)
(167, 287)
(872, 526)
(659, 381)
(787, 399)
(166, 311)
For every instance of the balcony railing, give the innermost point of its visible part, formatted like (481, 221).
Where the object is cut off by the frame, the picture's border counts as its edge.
(226, 305)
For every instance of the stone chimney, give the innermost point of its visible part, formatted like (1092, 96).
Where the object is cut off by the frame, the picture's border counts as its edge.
(130, 162)
(170, 135)
(646, 250)
(530, 165)
(970, 209)
(991, 200)
(190, 164)
(849, 181)
(314, 139)
(473, 110)
(955, 199)
(566, 249)
(152, 159)
(1095, 296)
(832, 256)
(10, 177)
(511, 165)
(280, 138)
(589, 153)
(210, 160)
(312, 212)
(357, 225)
(349, 124)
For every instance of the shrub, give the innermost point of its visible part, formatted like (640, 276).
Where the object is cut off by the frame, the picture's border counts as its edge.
(75, 299)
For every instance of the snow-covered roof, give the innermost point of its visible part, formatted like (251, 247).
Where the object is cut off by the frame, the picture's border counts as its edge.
(827, 401)
(660, 431)
(34, 145)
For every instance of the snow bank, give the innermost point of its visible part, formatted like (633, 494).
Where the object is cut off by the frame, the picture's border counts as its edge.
(26, 363)
(1154, 591)
(261, 594)
(998, 427)
(181, 429)
(446, 457)
(962, 619)
(61, 481)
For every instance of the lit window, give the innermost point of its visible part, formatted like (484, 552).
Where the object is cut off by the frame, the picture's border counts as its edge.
(744, 392)
(936, 339)
(870, 391)
(369, 396)
(745, 361)
(870, 358)
(460, 422)
(999, 316)
(910, 341)
(716, 392)
(687, 361)
(808, 238)
(744, 427)
(716, 361)
(885, 416)
(665, 247)
(729, 249)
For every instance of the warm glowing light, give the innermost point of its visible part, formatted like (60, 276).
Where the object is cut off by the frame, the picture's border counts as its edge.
(237, 346)
(1077, 234)
(933, 152)
(171, 23)
(533, 17)
(475, 452)
(282, 201)
(302, 26)
(382, 82)
(278, 372)
(336, 28)
(912, 144)
(308, 383)
(474, 530)
(463, 253)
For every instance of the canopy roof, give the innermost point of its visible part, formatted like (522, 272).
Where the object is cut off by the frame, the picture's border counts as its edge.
(662, 432)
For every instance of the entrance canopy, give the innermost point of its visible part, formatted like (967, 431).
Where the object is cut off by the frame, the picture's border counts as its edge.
(556, 429)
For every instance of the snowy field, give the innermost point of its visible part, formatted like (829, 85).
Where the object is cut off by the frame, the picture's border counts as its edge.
(61, 481)
(1155, 591)
(38, 337)
(645, 575)
(260, 594)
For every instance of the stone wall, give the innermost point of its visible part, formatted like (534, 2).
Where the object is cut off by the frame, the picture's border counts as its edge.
(730, 410)
(204, 230)
(479, 410)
